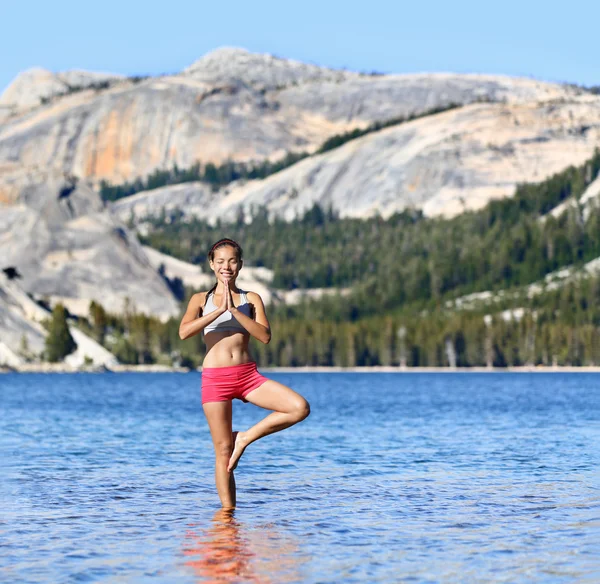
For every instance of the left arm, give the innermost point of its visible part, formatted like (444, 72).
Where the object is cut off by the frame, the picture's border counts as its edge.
(258, 327)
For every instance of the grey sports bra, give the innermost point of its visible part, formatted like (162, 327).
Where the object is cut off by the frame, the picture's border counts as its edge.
(226, 321)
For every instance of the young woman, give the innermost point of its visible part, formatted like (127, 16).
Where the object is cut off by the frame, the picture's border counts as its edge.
(229, 316)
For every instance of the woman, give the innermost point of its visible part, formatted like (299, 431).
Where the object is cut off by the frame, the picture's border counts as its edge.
(229, 316)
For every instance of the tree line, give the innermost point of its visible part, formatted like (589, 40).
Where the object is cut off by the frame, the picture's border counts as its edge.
(401, 274)
(407, 258)
(561, 327)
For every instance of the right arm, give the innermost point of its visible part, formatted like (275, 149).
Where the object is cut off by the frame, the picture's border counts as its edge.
(193, 322)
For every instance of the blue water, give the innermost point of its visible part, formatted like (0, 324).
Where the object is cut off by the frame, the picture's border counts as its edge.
(393, 478)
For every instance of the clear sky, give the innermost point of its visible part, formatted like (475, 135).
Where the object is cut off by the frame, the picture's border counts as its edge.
(549, 40)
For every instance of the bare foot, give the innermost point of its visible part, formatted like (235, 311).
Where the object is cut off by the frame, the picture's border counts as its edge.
(239, 445)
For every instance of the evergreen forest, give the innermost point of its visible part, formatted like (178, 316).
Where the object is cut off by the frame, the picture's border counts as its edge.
(395, 283)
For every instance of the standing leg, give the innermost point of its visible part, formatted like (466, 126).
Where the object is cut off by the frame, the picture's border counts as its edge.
(218, 415)
(288, 407)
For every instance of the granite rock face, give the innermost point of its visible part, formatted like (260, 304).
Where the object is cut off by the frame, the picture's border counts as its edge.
(35, 86)
(238, 67)
(23, 337)
(443, 164)
(230, 104)
(21, 334)
(68, 249)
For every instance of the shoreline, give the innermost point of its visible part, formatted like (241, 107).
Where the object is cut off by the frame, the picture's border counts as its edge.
(62, 368)
(386, 369)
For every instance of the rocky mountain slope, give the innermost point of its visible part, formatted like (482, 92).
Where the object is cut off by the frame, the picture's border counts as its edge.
(22, 336)
(61, 245)
(37, 86)
(68, 249)
(443, 164)
(230, 104)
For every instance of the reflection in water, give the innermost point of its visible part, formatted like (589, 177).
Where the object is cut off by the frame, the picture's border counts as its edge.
(230, 552)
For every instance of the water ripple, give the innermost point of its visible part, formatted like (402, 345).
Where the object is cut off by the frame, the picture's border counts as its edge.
(393, 478)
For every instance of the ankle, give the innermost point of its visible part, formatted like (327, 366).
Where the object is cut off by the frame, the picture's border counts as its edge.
(242, 437)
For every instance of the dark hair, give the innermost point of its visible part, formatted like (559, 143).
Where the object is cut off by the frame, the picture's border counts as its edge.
(222, 243)
(211, 256)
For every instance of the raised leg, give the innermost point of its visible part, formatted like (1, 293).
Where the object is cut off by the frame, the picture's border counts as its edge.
(218, 415)
(288, 407)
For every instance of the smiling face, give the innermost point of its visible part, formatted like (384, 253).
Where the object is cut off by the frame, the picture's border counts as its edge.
(226, 264)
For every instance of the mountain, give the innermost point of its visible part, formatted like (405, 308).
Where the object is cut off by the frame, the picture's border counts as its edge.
(442, 164)
(229, 105)
(67, 248)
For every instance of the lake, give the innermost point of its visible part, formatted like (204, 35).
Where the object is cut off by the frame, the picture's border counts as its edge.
(437, 477)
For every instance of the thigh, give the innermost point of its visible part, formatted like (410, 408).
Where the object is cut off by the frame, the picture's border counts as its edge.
(272, 395)
(219, 416)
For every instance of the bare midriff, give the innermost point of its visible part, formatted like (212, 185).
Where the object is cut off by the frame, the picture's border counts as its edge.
(226, 349)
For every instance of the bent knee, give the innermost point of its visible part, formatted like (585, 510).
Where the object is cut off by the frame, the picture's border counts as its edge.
(302, 410)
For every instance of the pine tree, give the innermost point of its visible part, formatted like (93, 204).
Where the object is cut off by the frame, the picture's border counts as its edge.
(99, 321)
(59, 342)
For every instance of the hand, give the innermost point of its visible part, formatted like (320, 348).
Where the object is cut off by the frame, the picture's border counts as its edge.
(229, 301)
(223, 304)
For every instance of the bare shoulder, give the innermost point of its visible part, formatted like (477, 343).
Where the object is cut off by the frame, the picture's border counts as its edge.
(253, 297)
(197, 300)
(198, 297)
(194, 307)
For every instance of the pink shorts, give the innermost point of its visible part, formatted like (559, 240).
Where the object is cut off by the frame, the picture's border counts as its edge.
(226, 383)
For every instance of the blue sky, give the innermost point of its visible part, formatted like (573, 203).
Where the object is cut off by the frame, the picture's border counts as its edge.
(554, 41)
